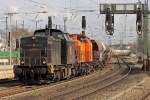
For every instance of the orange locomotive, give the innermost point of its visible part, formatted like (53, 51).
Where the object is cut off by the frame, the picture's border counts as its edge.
(83, 48)
(88, 53)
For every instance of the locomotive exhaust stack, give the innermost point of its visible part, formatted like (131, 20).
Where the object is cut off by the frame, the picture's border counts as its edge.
(50, 22)
(83, 24)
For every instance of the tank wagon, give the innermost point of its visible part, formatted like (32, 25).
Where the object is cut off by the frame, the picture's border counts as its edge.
(122, 52)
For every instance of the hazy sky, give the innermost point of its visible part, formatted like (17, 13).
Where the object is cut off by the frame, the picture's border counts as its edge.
(57, 9)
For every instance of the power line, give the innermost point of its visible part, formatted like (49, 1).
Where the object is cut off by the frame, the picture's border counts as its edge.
(39, 3)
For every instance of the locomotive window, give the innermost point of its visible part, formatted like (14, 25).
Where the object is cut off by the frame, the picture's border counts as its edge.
(39, 42)
(40, 34)
(26, 41)
(61, 36)
(66, 37)
(58, 35)
(83, 39)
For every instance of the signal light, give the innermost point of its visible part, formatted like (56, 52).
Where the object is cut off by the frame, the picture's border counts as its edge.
(8, 43)
(109, 22)
(139, 21)
(9, 39)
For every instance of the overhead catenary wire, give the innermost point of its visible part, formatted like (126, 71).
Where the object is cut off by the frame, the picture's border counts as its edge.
(39, 3)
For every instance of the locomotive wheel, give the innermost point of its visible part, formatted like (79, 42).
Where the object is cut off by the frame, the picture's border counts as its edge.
(86, 71)
(101, 64)
(20, 77)
(63, 75)
(57, 76)
(24, 75)
(39, 74)
(76, 72)
(32, 75)
(83, 71)
(69, 73)
(73, 73)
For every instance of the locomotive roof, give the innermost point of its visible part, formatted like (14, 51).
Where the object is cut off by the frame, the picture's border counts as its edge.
(44, 30)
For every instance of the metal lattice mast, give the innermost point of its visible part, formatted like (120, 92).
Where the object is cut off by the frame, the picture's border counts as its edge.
(145, 28)
(142, 12)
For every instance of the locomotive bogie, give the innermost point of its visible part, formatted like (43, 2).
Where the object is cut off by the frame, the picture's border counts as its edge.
(53, 72)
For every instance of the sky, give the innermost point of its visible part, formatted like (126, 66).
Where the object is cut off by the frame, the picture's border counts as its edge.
(28, 10)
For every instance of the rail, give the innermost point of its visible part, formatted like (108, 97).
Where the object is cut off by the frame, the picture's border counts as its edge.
(146, 96)
(94, 86)
(88, 87)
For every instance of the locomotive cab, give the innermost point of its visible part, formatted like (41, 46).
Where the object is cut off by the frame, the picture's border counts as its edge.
(42, 52)
(36, 53)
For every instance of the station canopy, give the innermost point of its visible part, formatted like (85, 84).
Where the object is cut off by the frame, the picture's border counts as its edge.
(6, 54)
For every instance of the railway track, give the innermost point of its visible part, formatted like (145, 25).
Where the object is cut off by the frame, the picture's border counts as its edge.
(75, 92)
(12, 87)
(6, 81)
(94, 86)
(17, 87)
(146, 97)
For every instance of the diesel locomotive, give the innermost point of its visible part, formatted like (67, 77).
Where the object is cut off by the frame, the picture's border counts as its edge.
(51, 54)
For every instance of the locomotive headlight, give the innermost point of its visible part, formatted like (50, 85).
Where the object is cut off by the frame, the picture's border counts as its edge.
(22, 62)
(43, 61)
(33, 38)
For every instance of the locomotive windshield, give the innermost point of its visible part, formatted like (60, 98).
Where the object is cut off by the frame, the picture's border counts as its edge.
(40, 34)
(33, 41)
(33, 50)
